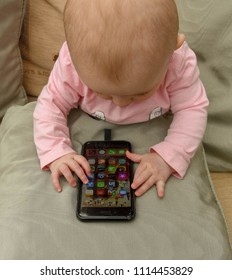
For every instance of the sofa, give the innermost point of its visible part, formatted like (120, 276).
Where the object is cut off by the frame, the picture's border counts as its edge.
(193, 221)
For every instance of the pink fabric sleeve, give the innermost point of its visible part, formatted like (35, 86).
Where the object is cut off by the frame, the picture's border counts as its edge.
(189, 107)
(58, 97)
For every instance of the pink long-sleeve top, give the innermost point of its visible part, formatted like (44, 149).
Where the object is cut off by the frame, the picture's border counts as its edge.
(181, 91)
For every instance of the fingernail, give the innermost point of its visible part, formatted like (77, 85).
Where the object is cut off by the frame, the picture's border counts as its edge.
(161, 195)
(137, 194)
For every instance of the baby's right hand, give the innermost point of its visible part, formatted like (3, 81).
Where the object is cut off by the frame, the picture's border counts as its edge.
(68, 164)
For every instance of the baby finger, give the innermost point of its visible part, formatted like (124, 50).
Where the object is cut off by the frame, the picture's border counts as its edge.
(55, 179)
(145, 186)
(82, 161)
(67, 173)
(160, 186)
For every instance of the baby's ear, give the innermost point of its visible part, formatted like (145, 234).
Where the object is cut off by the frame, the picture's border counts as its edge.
(180, 40)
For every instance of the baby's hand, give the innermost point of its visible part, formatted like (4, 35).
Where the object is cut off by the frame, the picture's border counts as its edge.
(152, 170)
(66, 165)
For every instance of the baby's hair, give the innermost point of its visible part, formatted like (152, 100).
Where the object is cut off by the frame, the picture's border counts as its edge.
(109, 35)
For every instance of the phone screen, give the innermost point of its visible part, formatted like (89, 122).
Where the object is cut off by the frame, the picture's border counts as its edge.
(108, 194)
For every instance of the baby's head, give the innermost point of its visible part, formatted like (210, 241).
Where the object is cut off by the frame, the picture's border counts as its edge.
(121, 48)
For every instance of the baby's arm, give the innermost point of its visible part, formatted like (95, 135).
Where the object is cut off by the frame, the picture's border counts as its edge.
(189, 106)
(51, 132)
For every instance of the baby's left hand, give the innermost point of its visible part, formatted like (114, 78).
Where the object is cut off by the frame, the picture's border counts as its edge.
(152, 170)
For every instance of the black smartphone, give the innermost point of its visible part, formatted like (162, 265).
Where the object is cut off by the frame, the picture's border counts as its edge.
(108, 194)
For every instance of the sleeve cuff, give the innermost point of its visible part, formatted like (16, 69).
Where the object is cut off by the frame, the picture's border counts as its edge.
(53, 155)
(174, 156)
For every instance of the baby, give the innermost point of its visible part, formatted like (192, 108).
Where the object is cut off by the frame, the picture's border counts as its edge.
(126, 60)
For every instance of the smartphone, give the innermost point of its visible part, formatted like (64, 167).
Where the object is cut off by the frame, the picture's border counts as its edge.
(108, 194)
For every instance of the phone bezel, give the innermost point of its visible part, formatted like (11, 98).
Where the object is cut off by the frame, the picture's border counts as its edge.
(105, 213)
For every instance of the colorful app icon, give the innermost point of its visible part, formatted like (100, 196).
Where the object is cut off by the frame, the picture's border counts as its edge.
(101, 168)
(122, 176)
(89, 193)
(111, 184)
(122, 168)
(101, 152)
(101, 184)
(101, 192)
(101, 161)
(92, 167)
(122, 152)
(111, 152)
(91, 160)
(122, 161)
(111, 192)
(112, 161)
(112, 168)
(90, 184)
(101, 175)
(122, 184)
(122, 192)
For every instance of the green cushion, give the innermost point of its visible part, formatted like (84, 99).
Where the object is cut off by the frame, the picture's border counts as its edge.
(11, 73)
(36, 222)
(208, 28)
